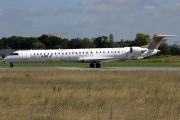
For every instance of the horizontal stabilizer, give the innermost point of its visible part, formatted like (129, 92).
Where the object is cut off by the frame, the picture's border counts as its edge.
(166, 35)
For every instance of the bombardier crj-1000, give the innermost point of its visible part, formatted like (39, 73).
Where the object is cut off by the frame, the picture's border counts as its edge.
(93, 56)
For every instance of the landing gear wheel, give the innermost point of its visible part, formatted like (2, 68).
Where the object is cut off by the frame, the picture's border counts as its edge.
(98, 65)
(92, 65)
(11, 65)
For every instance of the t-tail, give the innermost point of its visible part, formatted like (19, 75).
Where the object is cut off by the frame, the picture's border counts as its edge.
(156, 41)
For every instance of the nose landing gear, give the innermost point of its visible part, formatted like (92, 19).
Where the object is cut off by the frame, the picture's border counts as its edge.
(11, 65)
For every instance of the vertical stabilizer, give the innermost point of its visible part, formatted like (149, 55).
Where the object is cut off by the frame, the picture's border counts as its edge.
(156, 41)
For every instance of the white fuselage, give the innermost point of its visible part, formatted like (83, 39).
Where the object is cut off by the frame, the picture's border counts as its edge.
(95, 55)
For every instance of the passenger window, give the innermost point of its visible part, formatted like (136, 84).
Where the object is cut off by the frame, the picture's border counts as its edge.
(14, 54)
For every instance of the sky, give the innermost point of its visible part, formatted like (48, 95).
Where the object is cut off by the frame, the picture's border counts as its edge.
(90, 18)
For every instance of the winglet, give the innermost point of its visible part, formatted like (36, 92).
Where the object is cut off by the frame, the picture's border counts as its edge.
(156, 41)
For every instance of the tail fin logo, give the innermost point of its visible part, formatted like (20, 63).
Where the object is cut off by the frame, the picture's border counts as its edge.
(156, 41)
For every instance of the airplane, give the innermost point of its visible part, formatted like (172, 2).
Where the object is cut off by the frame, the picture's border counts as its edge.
(94, 56)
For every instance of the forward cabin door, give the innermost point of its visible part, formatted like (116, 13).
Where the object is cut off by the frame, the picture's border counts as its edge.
(91, 53)
(24, 55)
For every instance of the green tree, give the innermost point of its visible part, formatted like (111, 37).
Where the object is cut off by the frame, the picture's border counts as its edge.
(164, 49)
(111, 40)
(45, 40)
(27, 43)
(122, 42)
(75, 43)
(127, 43)
(141, 39)
(103, 42)
(64, 43)
(2, 43)
(57, 46)
(86, 43)
(38, 45)
(49, 42)
(100, 42)
(14, 42)
(174, 50)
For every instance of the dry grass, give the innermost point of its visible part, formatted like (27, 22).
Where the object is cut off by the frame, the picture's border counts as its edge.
(89, 87)
(132, 94)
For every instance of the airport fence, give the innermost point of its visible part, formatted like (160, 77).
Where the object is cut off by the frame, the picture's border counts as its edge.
(121, 112)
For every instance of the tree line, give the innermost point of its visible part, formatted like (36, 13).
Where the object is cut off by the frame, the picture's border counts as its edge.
(54, 42)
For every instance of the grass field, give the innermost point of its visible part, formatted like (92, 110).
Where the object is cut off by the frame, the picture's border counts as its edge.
(92, 88)
(89, 87)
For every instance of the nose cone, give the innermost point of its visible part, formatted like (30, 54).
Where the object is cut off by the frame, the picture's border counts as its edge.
(6, 60)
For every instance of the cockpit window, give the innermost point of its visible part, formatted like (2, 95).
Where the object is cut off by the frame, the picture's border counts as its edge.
(14, 54)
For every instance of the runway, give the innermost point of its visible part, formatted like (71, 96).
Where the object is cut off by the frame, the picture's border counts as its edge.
(91, 69)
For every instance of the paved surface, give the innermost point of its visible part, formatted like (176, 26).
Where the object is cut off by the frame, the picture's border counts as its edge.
(91, 69)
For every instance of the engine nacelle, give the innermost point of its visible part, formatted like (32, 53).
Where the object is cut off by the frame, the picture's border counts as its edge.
(137, 50)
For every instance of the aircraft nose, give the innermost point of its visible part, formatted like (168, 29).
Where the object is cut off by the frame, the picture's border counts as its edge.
(5, 60)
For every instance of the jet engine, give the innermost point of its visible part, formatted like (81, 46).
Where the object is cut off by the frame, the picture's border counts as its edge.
(137, 50)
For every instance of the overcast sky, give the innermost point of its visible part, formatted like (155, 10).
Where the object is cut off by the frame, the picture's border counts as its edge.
(89, 18)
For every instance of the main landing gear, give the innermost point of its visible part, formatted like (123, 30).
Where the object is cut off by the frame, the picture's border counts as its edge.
(11, 65)
(98, 65)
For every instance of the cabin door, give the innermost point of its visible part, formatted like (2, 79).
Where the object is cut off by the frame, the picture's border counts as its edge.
(91, 53)
(24, 55)
(87, 53)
